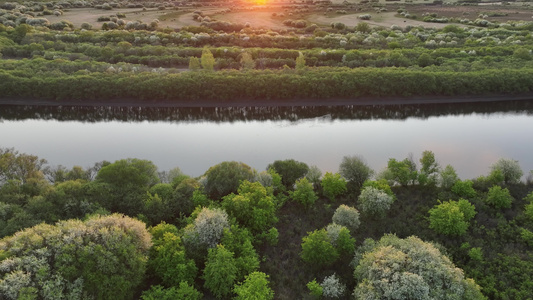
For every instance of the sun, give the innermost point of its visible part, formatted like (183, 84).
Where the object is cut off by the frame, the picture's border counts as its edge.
(259, 2)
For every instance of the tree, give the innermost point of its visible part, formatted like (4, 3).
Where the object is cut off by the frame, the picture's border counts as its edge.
(247, 62)
(499, 198)
(464, 189)
(122, 185)
(429, 169)
(101, 258)
(183, 292)
(374, 202)
(448, 177)
(304, 193)
(510, 169)
(220, 272)
(207, 60)
(341, 239)
(19, 166)
(332, 287)
(194, 64)
(239, 241)
(355, 170)
(206, 229)
(347, 216)
(169, 262)
(318, 250)
(451, 217)
(313, 175)
(255, 286)
(300, 61)
(402, 172)
(253, 207)
(226, 177)
(410, 268)
(333, 185)
(290, 170)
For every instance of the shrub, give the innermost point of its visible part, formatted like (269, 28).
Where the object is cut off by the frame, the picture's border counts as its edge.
(499, 198)
(347, 216)
(365, 17)
(374, 202)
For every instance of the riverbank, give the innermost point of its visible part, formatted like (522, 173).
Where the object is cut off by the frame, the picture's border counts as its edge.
(363, 101)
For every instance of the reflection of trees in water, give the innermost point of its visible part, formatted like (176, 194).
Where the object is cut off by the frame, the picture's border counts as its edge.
(231, 114)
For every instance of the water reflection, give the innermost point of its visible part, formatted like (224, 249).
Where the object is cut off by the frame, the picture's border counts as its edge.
(234, 114)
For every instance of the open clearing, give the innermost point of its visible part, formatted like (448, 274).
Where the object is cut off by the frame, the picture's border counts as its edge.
(262, 17)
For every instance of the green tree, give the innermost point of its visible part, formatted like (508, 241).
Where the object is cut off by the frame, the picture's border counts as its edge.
(304, 193)
(448, 177)
(255, 286)
(318, 250)
(226, 177)
(183, 292)
(300, 61)
(451, 217)
(429, 169)
(253, 207)
(315, 289)
(169, 262)
(122, 185)
(355, 170)
(207, 60)
(403, 172)
(290, 170)
(499, 198)
(220, 272)
(194, 64)
(464, 189)
(333, 185)
(395, 268)
(239, 241)
(247, 62)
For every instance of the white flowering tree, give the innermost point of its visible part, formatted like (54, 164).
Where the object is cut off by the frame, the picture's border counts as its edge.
(410, 268)
(374, 201)
(101, 258)
(347, 216)
(207, 229)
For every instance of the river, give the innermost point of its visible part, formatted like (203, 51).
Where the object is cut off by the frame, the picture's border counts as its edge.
(468, 136)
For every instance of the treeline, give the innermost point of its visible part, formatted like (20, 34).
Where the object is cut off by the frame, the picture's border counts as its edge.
(289, 232)
(323, 83)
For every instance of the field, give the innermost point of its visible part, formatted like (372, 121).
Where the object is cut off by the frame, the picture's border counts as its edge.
(384, 13)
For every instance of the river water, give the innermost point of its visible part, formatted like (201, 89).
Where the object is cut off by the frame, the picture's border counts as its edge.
(470, 136)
